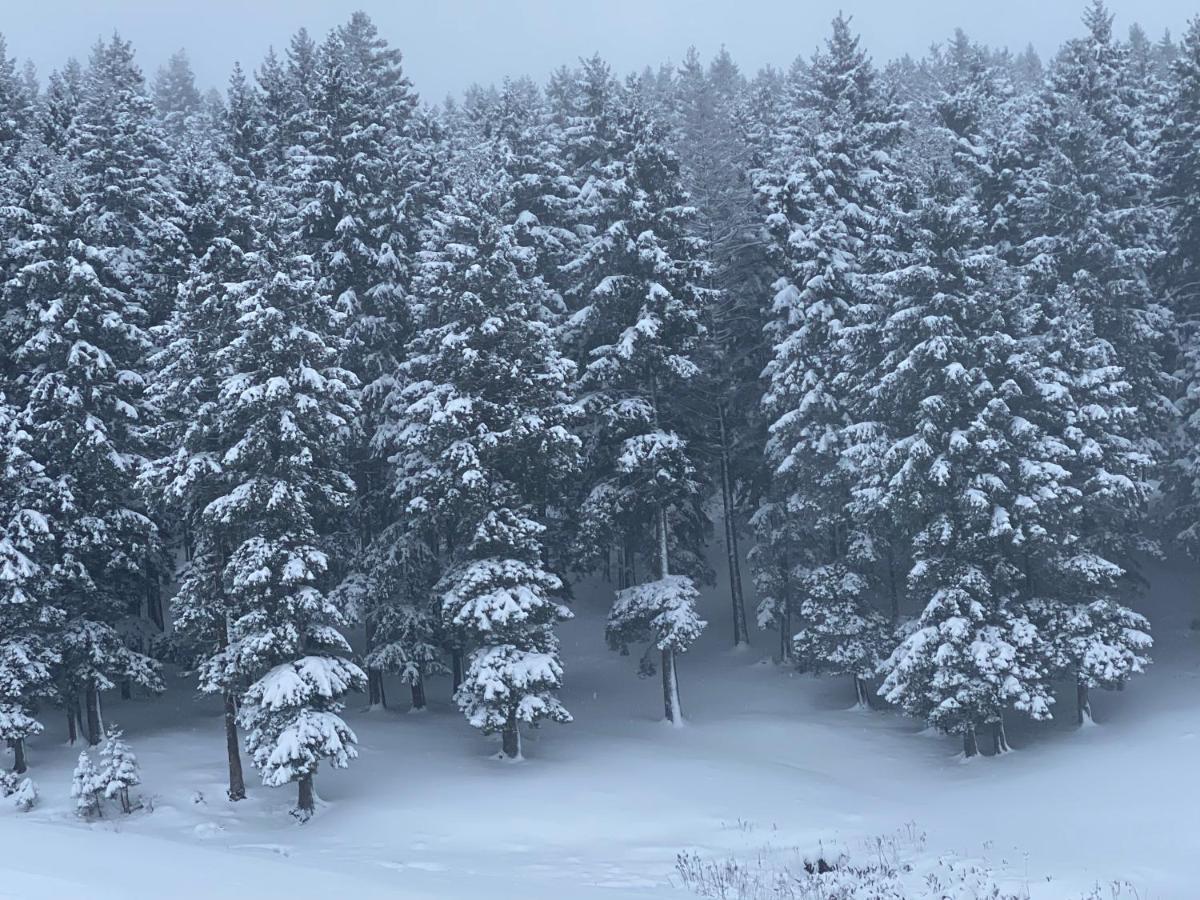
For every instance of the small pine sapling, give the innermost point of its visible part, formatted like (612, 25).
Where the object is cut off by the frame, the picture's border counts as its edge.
(119, 769)
(87, 788)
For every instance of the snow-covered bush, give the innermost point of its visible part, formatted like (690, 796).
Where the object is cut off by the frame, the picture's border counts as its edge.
(25, 797)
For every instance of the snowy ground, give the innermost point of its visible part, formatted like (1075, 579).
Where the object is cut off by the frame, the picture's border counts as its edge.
(602, 806)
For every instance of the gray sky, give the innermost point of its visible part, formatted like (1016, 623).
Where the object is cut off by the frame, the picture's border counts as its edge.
(448, 44)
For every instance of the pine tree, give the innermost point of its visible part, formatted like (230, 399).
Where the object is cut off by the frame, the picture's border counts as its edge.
(1178, 180)
(78, 340)
(87, 788)
(640, 304)
(479, 434)
(28, 656)
(118, 769)
(831, 201)
(188, 374)
(283, 415)
(176, 97)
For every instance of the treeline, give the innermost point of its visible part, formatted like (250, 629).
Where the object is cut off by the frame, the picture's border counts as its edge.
(309, 356)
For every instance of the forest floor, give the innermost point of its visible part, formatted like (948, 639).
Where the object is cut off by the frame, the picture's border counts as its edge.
(770, 762)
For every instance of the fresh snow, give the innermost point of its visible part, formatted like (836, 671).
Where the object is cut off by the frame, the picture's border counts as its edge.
(601, 807)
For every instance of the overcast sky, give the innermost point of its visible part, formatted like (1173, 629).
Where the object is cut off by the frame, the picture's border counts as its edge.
(449, 44)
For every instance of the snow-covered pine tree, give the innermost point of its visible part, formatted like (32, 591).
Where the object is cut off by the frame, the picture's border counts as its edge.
(1178, 187)
(118, 769)
(956, 399)
(127, 207)
(59, 104)
(78, 341)
(348, 175)
(284, 415)
(176, 98)
(188, 372)
(1077, 223)
(715, 159)
(638, 321)
(87, 788)
(479, 436)
(28, 616)
(831, 204)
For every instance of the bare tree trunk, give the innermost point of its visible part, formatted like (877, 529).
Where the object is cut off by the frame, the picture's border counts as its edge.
(1083, 703)
(456, 668)
(510, 740)
(418, 693)
(970, 744)
(72, 733)
(741, 634)
(628, 559)
(92, 701)
(375, 698)
(126, 689)
(862, 694)
(999, 737)
(78, 707)
(18, 749)
(670, 678)
(237, 782)
(894, 594)
(671, 688)
(306, 803)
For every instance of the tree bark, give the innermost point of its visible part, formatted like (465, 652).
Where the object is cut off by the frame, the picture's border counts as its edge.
(741, 634)
(375, 695)
(126, 689)
(306, 802)
(671, 688)
(628, 560)
(237, 781)
(970, 744)
(18, 749)
(999, 737)
(456, 668)
(510, 740)
(72, 734)
(1083, 704)
(862, 694)
(92, 700)
(418, 693)
(894, 594)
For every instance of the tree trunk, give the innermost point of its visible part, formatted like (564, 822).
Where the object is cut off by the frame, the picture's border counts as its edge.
(894, 594)
(237, 782)
(92, 700)
(785, 633)
(510, 740)
(628, 559)
(970, 745)
(741, 634)
(72, 734)
(418, 694)
(862, 694)
(671, 688)
(18, 749)
(306, 803)
(999, 737)
(375, 695)
(126, 689)
(78, 707)
(375, 698)
(1083, 704)
(456, 669)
